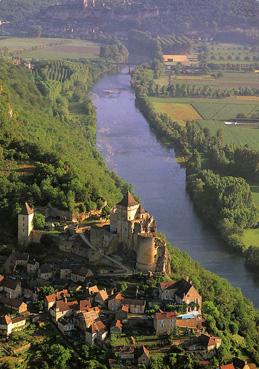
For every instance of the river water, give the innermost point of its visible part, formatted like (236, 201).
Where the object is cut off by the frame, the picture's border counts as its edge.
(131, 149)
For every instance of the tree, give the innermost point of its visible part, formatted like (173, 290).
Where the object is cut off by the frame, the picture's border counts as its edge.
(39, 221)
(58, 356)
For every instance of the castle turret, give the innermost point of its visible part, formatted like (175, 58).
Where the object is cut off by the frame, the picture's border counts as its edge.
(124, 213)
(146, 253)
(25, 224)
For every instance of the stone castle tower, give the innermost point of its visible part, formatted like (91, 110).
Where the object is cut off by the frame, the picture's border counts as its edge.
(25, 224)
(135, 228)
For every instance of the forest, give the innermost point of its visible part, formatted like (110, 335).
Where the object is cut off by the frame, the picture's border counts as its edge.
(47, 140)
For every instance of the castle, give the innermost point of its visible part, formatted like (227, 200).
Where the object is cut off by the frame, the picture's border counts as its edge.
(133, 229)
(25, 224)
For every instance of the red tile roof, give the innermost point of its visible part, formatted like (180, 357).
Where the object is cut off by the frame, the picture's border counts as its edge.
(166, 315)
(128, 200)
(227, 366)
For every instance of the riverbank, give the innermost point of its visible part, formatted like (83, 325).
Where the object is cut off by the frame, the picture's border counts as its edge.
(192, 138)
(131, 149)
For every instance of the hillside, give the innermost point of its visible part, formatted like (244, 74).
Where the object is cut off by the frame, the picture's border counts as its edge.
(205, 17)
(48, 130)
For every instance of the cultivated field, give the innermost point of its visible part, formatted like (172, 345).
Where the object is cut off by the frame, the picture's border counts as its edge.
(178, 112)
(50, 48)
(226, 80)
(222, 53)
(213, 113)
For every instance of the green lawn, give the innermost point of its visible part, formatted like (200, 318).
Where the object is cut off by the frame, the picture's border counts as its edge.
(50, 48)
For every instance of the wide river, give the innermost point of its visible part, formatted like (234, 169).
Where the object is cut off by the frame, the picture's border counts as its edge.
(131, 149)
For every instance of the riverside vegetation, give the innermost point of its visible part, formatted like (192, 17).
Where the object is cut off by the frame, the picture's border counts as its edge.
(213, 171)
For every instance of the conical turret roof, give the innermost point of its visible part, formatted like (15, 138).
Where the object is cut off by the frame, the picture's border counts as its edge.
(128, 200)
(26, 209)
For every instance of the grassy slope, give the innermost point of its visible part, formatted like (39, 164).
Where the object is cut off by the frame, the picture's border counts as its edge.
(33, 122)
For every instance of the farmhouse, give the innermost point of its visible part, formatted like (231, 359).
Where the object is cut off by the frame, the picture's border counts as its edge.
(173, 59)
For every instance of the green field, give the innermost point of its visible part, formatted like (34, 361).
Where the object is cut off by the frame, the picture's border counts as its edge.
(214, 113)
(50, 48)
(225, 81)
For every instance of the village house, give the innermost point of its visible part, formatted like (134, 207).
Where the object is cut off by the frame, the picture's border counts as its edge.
(142, 356)
(14, 304)
(65, 270)
(62, 308)
(81, 274)
(96, 332)
(86, 318)
(66, 325)
(116, 327)
(10, 324)
(195, 323)
(238, 364)
(122, 313)
(50, 300)
(181, 292)
(21, 259)
(164, 323)
(135, 306)
(46, 272)
(101, 297)
(209, 343)
(115, 302)
(11, 287)
(126, 354)
(33, 267)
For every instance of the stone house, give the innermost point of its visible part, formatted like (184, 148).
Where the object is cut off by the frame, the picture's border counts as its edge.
(116, 327)
(11, 287)
(135, 306)
(66, 325)
(86, 318)
(10, 324)
(62, 308)
(21, 259)
(50, 300)
(101, 297)
(14, 304)
(115, 302)
(46, 272)
(127, 354)
(32, 267)
(81, 274)
(209, 343)
(96, 332)
(122, 313)
(195, 324)
(142, 356)
(164, 323)
(65, 270)
(181, 292)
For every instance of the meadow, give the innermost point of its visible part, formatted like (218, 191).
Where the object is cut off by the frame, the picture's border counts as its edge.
(50, 48)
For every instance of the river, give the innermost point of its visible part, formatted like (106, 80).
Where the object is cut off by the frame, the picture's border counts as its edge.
(132, 150)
